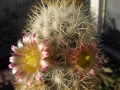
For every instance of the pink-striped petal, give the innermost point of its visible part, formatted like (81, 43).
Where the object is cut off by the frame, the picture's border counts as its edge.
(12, 65)
(44, 54)
(73, 64)
(15, 49)
(18, 74)
(91, 73)
(76, 70)
(81, 75)
(44, 48)
(18, 55)
(19, 43)
(73, 54)
(41, 46)
(28, 79)
(43, 68)
(38, 77)
(34, 43)
(96, 52)
(27, 41)
(72, 57)
(23, 76)
(82, 46)
(89, 45)
(15, 69)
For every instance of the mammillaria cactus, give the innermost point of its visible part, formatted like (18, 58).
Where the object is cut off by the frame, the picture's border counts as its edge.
(59, 49)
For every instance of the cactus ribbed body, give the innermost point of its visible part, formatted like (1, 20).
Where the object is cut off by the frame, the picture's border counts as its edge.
(64, 24)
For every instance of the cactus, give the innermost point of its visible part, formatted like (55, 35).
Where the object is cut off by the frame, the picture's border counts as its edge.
(68, 53)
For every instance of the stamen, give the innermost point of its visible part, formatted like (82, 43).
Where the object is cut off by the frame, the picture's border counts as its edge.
(32, 60)
(83, 59)
(87, 57)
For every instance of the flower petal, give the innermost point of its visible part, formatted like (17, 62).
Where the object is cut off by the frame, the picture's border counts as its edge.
(18, 74)
(16, 60)
(34, 43)
(28, 79)
(81, 75)
(42, 47)
(91, 73)
(44, 54)
(19, 43)
(76, 70)
(15, 69)
(15, 49)
(73, 57)
(18, 55)
(38, 77)
(12, 65)
(82, 46)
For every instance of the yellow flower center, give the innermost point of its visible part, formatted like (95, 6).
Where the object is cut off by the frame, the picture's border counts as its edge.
(84, 59)
(87, 57)
(33, 58)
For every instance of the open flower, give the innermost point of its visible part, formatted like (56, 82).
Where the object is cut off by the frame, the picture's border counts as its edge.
(28, 59)
(84, 59)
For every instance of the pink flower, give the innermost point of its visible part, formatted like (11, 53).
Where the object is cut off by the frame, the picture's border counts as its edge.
(84, 59)
(28, 59)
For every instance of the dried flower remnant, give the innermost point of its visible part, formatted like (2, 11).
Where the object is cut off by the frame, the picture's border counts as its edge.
(84, 59)
(28, 59)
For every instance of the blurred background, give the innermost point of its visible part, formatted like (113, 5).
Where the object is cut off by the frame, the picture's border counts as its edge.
(13, 15)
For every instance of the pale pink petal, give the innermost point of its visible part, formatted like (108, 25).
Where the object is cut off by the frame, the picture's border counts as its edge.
(19, 43)
(23, 76)
(18, 74)
(12, 65)
(73, 54)
(89, 45)
(98, 65)
(27, 41)
(24, 39)
(43, 68)
(38, 77)
(45, 54)
(41, 46)
(28, 80)
(19, 80)
(16, 60)
(96, 52)
(16, 49)
(44, 48)
(34, 43)
(91, 73)
(18, 55)
(12, 59)
(15, 69)
(21, 50)
(82, 46)
(43, 63)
